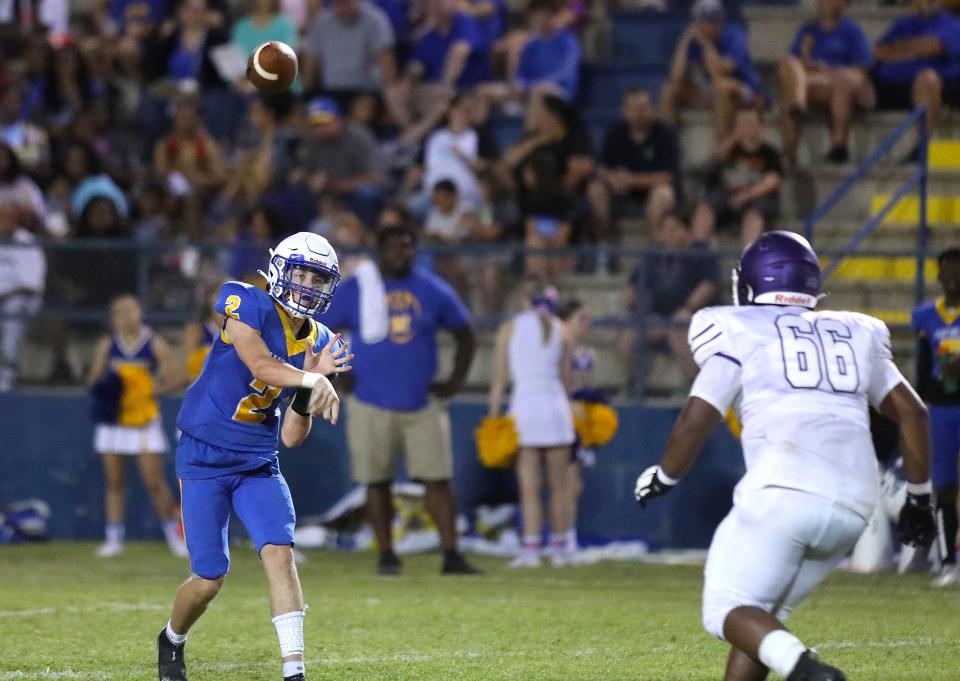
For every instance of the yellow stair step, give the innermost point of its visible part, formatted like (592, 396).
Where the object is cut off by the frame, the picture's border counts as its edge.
(944, 155)
(865, 268)
(941, 210)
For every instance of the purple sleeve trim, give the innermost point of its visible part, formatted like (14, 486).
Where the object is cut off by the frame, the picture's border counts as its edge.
(732, 359)
(701, 333)
(706, 342)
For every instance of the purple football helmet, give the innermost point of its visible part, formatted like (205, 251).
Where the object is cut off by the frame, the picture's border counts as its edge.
(779, 268)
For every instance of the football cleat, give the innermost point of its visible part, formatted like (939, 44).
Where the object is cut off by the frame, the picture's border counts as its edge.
(110, 549)
(949, 576)
(810, 668)
(526, 559)
(455, 564)
(171, 665)
(295, 677)
(389, 565)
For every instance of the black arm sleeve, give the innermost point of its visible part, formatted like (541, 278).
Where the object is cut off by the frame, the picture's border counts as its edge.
(926, 384)
(300, 401)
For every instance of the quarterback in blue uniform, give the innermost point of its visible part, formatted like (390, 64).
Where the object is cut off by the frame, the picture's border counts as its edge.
(269, 349)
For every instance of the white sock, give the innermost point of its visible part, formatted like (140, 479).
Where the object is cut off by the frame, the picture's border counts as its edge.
(114, 533)
(177, 639)
(572, 540)
(294, 667)
(780, 651)
(170, 530)
(531, 543)
(559, 541)
(290, 633)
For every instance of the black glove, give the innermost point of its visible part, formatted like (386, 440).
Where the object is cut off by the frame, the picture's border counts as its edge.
(650, 485)
(917, 524)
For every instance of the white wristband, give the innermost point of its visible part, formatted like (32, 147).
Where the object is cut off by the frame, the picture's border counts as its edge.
(309, 379)
(917, 488)
(665, 479)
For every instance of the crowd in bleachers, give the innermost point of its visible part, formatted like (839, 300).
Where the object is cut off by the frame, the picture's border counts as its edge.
(133, 120)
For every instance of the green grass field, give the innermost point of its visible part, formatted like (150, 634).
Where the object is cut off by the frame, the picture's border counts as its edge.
(65, 614)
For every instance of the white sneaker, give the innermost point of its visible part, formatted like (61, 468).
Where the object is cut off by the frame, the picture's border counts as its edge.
(949, 576)
(110, 549)
(526, 559)
(561, 558)
(178, 548)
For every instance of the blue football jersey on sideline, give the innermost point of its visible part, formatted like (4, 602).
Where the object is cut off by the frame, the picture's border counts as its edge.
(226, 407)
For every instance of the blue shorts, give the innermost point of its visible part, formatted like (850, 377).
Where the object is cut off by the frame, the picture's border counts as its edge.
(260, 498)
(944, 445)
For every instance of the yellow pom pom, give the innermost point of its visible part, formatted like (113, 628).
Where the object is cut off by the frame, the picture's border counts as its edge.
(497, 441)
(195, 361)
(595, 423)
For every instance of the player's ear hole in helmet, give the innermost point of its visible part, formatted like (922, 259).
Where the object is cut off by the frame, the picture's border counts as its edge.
(303, 274)
(779, 268)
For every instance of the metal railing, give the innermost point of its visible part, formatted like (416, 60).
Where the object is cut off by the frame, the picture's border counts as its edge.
(918, 180)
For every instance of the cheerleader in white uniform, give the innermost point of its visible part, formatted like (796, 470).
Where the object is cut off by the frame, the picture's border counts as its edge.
(534, 351)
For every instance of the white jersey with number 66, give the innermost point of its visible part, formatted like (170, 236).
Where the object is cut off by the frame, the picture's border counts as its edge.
(802, 381)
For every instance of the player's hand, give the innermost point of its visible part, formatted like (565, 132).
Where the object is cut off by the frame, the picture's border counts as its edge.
(331, 359)
(917, 523)
(324, 401)
(649, 485)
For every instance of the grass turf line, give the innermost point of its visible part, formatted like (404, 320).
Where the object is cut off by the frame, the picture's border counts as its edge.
(65, 614)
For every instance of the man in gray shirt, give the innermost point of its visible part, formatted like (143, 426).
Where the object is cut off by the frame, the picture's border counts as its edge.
(340, 158)
(350, 46)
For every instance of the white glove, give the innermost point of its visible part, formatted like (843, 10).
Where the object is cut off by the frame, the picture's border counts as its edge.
(324, 401)
(652, 483)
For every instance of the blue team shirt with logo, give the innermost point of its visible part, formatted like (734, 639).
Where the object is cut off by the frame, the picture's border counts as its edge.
(733, 45)
(229, 409)
(939, 329)
(396, 373)
(845, 45)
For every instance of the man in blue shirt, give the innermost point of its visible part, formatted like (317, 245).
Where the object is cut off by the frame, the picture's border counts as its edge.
(268, 348)
(827, 68)
(394, 373)
(552, 55)
(937, 325)
(918, 62)
(454, 52)
(711, 67)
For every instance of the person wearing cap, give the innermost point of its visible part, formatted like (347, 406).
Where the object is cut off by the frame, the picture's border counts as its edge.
(827, 68)
(533, 351)
(340, 159)
(395, 311)
(711, 68)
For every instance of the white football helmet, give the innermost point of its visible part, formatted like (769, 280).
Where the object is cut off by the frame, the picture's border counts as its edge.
(302, 251)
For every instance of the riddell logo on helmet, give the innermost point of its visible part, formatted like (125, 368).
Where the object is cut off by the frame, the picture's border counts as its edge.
(786, 298)
(781, 299)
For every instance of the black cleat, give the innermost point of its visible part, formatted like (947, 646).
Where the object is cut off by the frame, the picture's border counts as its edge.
(389, 565)
(295, 677)
(455, 564)
(838, 155)
(171, 665)
(810, 668)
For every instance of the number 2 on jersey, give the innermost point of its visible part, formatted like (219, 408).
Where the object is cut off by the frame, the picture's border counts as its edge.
(812, 350)
(251, 408)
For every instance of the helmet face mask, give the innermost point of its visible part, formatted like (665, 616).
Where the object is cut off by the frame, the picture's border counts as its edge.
(779, 268)
(289, 276)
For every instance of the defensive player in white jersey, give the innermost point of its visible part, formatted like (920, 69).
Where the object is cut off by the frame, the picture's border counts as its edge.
(801, 381)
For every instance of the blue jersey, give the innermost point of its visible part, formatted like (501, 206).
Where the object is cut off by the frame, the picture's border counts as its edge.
(844, 45)
(226, 406)
(944, 27)
(938, 328)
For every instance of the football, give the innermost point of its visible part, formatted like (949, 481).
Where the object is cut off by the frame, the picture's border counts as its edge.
(272, 67)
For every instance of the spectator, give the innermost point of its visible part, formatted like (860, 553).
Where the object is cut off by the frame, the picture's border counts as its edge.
(670, 284)
(640, 163)
(184, 56)
(138, 19)
(490, 15)
(190, 162)
(264, 21)
(711, 67)
(918, 62)
(350, 236)
(18, 192)
(199, 335)
(153, 214)
(450, 153)
(341, 159)
(743, 184)
(552, 166)
(447, 221)
(66, 87)
(533, 351)
(452, 53)
(827, 68)
(938, 382)
(349, 49)
(29, 141)
(551, 58)
(495, 220)
(23, 270)
(395, 398)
